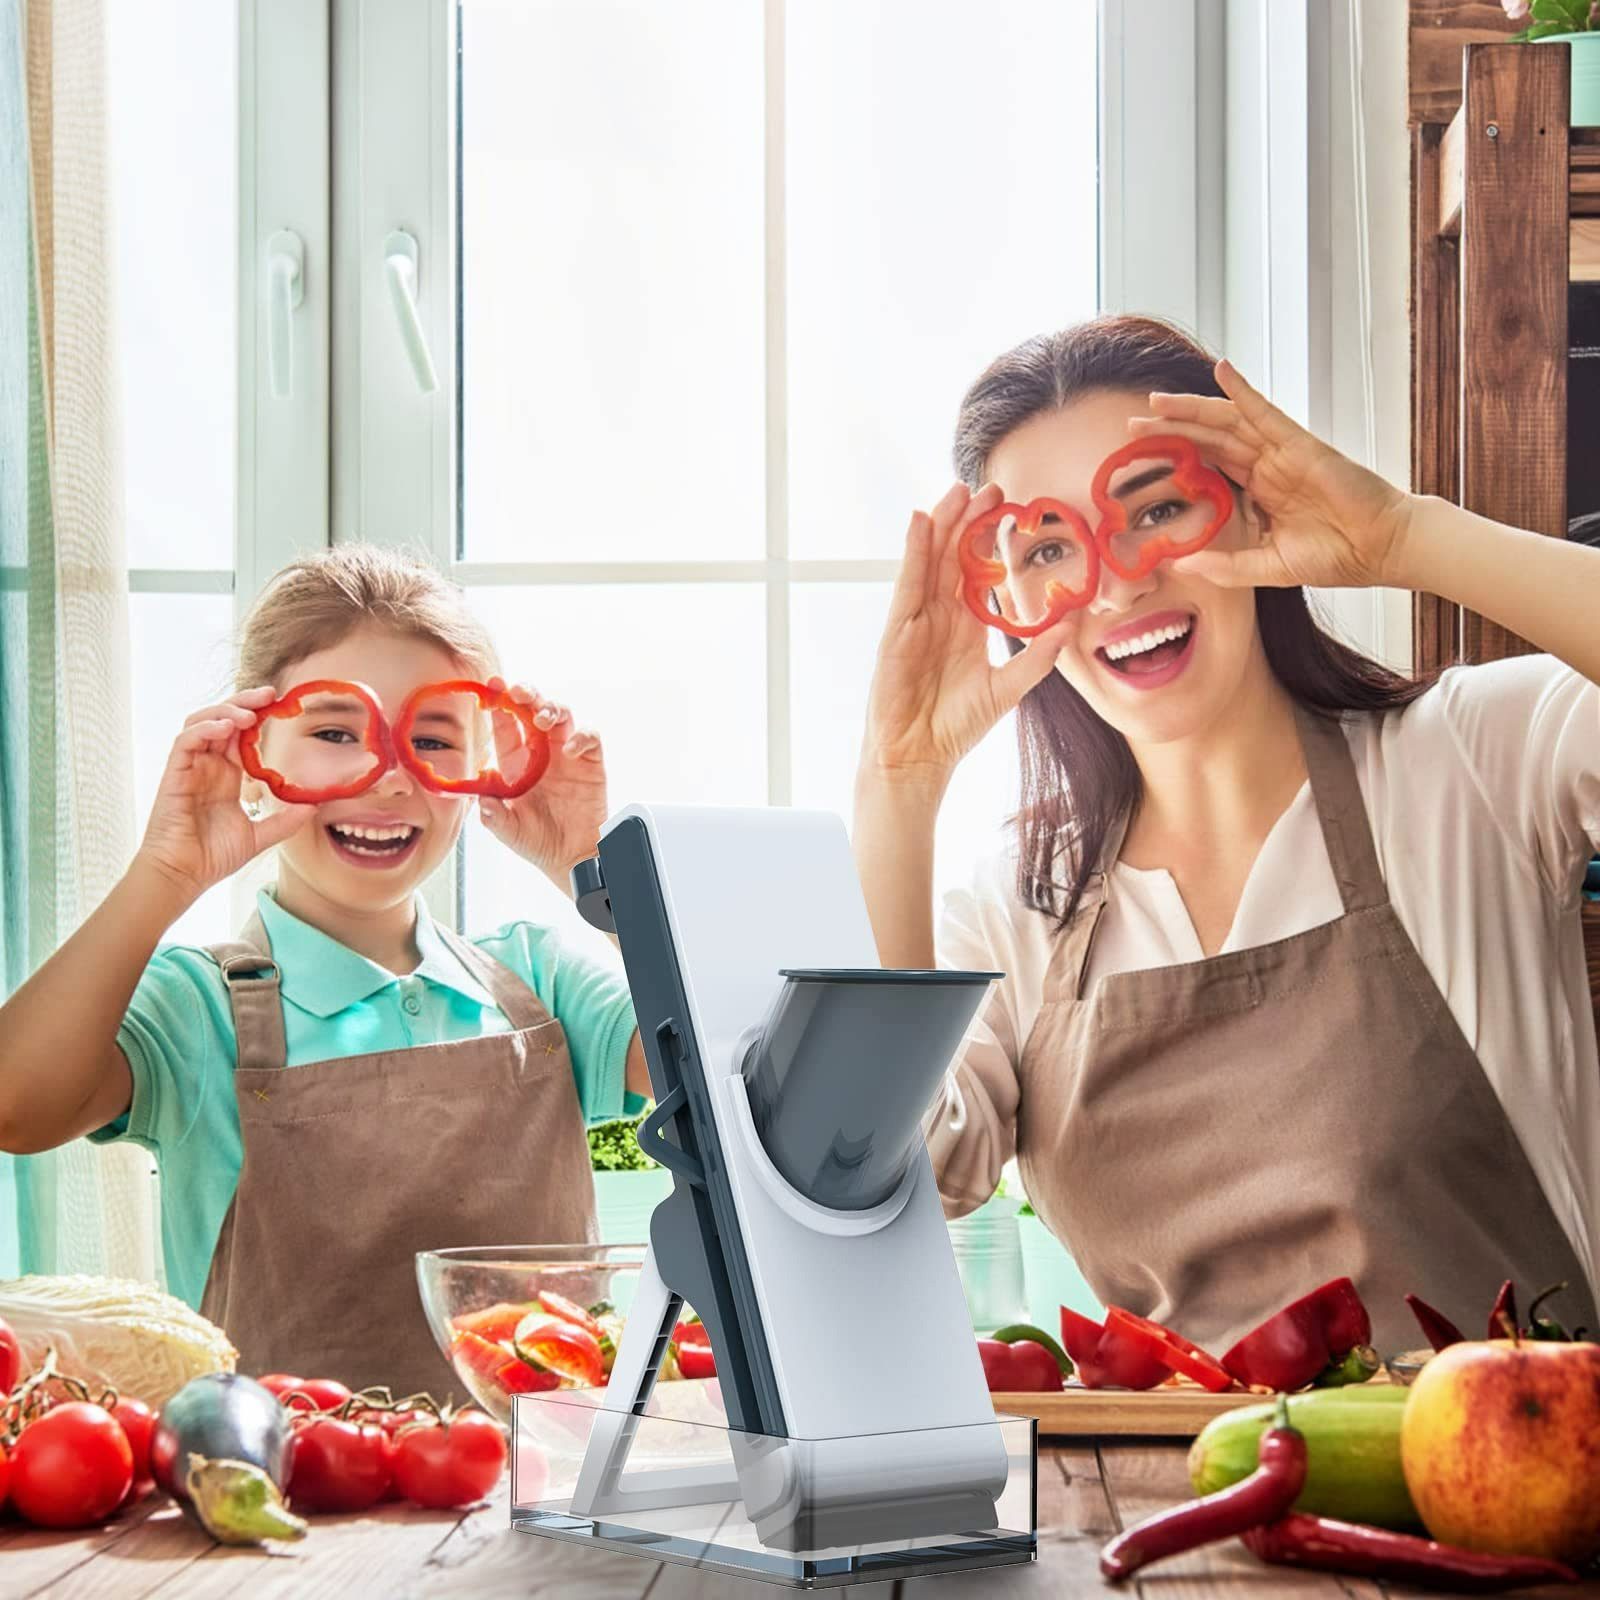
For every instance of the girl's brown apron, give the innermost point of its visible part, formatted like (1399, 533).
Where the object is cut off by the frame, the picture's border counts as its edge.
(1213, 1139)
(353, 1164)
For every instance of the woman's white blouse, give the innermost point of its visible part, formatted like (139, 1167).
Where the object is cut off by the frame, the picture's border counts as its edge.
(1484, 801)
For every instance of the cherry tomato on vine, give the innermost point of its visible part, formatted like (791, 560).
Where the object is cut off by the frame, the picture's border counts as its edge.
(71, 1467)
(314, 1394)
(10, 1358)
(138, 1421)
(451, 1464)
(338, 1465)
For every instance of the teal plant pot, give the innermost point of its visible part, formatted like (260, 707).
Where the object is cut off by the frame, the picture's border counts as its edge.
(625, 1200)
(1585, 75)
(1052, 1278)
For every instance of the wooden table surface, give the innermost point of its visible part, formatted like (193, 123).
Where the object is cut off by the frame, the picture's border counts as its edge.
(1087, 1490)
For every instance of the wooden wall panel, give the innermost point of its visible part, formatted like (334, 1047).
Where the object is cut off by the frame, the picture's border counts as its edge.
(1513, 302)
(1438, 29)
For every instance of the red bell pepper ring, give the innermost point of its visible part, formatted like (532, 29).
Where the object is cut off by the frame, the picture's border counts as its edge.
(1172, 1349)
(1294, 1345)
(376, 738)
(980, 573)
(493, 784)
(1020, 1367)
(1190, 475)
(1105, 1359)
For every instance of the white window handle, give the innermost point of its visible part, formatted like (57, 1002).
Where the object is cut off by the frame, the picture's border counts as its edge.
(400, 267)
(286, 288)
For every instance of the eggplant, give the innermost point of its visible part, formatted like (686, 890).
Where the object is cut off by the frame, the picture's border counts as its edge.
(221, 1450)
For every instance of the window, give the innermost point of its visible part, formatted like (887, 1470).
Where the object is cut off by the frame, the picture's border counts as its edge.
(692, 291)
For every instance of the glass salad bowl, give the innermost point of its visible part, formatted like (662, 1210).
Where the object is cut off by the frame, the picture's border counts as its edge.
(525, 1319)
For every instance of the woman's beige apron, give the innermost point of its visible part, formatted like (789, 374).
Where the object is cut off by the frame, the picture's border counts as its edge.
(353, 1164)
(1214, 1139)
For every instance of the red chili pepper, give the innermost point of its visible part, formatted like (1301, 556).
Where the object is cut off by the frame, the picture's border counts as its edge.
(980, 573)
(1300, 1540)
(1263, 1497)
(1190, 475)
(375, 737)
(1436, 1327)
(1106, 1360)
(1022, 1367)
(1503, 1314)
(1172, 1349)
(1294, 1345)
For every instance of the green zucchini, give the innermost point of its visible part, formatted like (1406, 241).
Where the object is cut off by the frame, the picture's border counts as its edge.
(1352, 1439)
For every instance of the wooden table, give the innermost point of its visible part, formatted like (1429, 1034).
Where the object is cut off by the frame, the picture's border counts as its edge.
(1087, 1489)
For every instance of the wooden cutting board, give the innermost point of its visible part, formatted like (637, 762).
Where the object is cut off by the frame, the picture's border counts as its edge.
(1168, 1412)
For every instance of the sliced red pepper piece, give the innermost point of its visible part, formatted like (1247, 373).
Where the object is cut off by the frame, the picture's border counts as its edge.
(493, 784)
(1172, 1349)
(981, 573)
(1190, 475)
(1503, 1314)
(559, 1306)
(1436, 1327)
(1105, 1360)
(1297, 1343)
(696, 1361)
(375, 736)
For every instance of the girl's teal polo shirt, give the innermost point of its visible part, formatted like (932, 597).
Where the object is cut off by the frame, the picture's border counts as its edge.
(179, 1040)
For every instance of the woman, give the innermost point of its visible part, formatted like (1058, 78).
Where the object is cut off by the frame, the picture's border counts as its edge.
(1294, 980)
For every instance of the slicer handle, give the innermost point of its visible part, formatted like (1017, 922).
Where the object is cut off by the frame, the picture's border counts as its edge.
(661, 1149)
(590, 895)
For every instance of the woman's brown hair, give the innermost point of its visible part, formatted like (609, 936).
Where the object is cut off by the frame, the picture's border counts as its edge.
(1078, 774)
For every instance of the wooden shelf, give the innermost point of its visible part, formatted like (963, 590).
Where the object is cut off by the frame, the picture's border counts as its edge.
(1583, 174)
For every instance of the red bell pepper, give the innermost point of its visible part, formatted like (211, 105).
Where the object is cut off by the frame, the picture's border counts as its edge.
(980, 572)
(1436, 1327)
(1503, 1314)
(1295, 1345)
(1107, 1359)
(375, 736)
(1172, 1349)
(1022, 1367)
(493, 784)
(1190, 475)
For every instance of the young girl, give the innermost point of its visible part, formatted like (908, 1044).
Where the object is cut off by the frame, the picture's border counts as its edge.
(437, 1089)
(1294, 977)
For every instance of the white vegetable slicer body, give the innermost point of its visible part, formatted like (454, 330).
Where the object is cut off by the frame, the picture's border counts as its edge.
(791, 1074)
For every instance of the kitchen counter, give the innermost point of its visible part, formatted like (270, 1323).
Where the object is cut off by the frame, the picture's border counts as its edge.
(1087, 1489)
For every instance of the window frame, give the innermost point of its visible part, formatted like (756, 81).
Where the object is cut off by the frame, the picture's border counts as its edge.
(385, 465)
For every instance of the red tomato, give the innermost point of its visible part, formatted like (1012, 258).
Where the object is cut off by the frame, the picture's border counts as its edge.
(10, 1359)
(138, 1421)
(71, 1467)
(315, 1394)
(564, 1348)
(696, 1361)
(5, 1474)
(338, 1465)
(517, 1377)
(558, 1305)
(453, 1464)
(691, 1333)
(494, 1322)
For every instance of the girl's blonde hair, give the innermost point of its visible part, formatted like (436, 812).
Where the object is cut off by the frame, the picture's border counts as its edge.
(316, 601)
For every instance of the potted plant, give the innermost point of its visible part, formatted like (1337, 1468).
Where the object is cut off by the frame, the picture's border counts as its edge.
(1051, 1274)
(627, 1183)
(1571, 22)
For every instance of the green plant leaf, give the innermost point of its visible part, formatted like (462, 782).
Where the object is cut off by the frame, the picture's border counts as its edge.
(1552, 11)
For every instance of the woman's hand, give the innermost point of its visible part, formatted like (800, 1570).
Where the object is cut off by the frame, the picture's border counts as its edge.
(198, 833)
(1328, 522)
(557, 822)
(935, 693)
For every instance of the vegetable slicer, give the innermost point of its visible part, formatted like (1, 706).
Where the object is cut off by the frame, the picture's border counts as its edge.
(791, 1075)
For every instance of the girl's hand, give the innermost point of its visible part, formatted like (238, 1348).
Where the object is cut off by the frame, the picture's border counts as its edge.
(198, 833)
(557, 822)
(935, 693)
(1329, 522)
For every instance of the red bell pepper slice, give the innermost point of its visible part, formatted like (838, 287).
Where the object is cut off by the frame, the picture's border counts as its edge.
(1190, 474)
(375, 737)
(980, 572)
(493, 1323)
(559, 1306)
(1297, 1343)
(494, 784)
(1171, 1349)
(1503, 1314)
(1107, 1360)
(1437, 1328)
